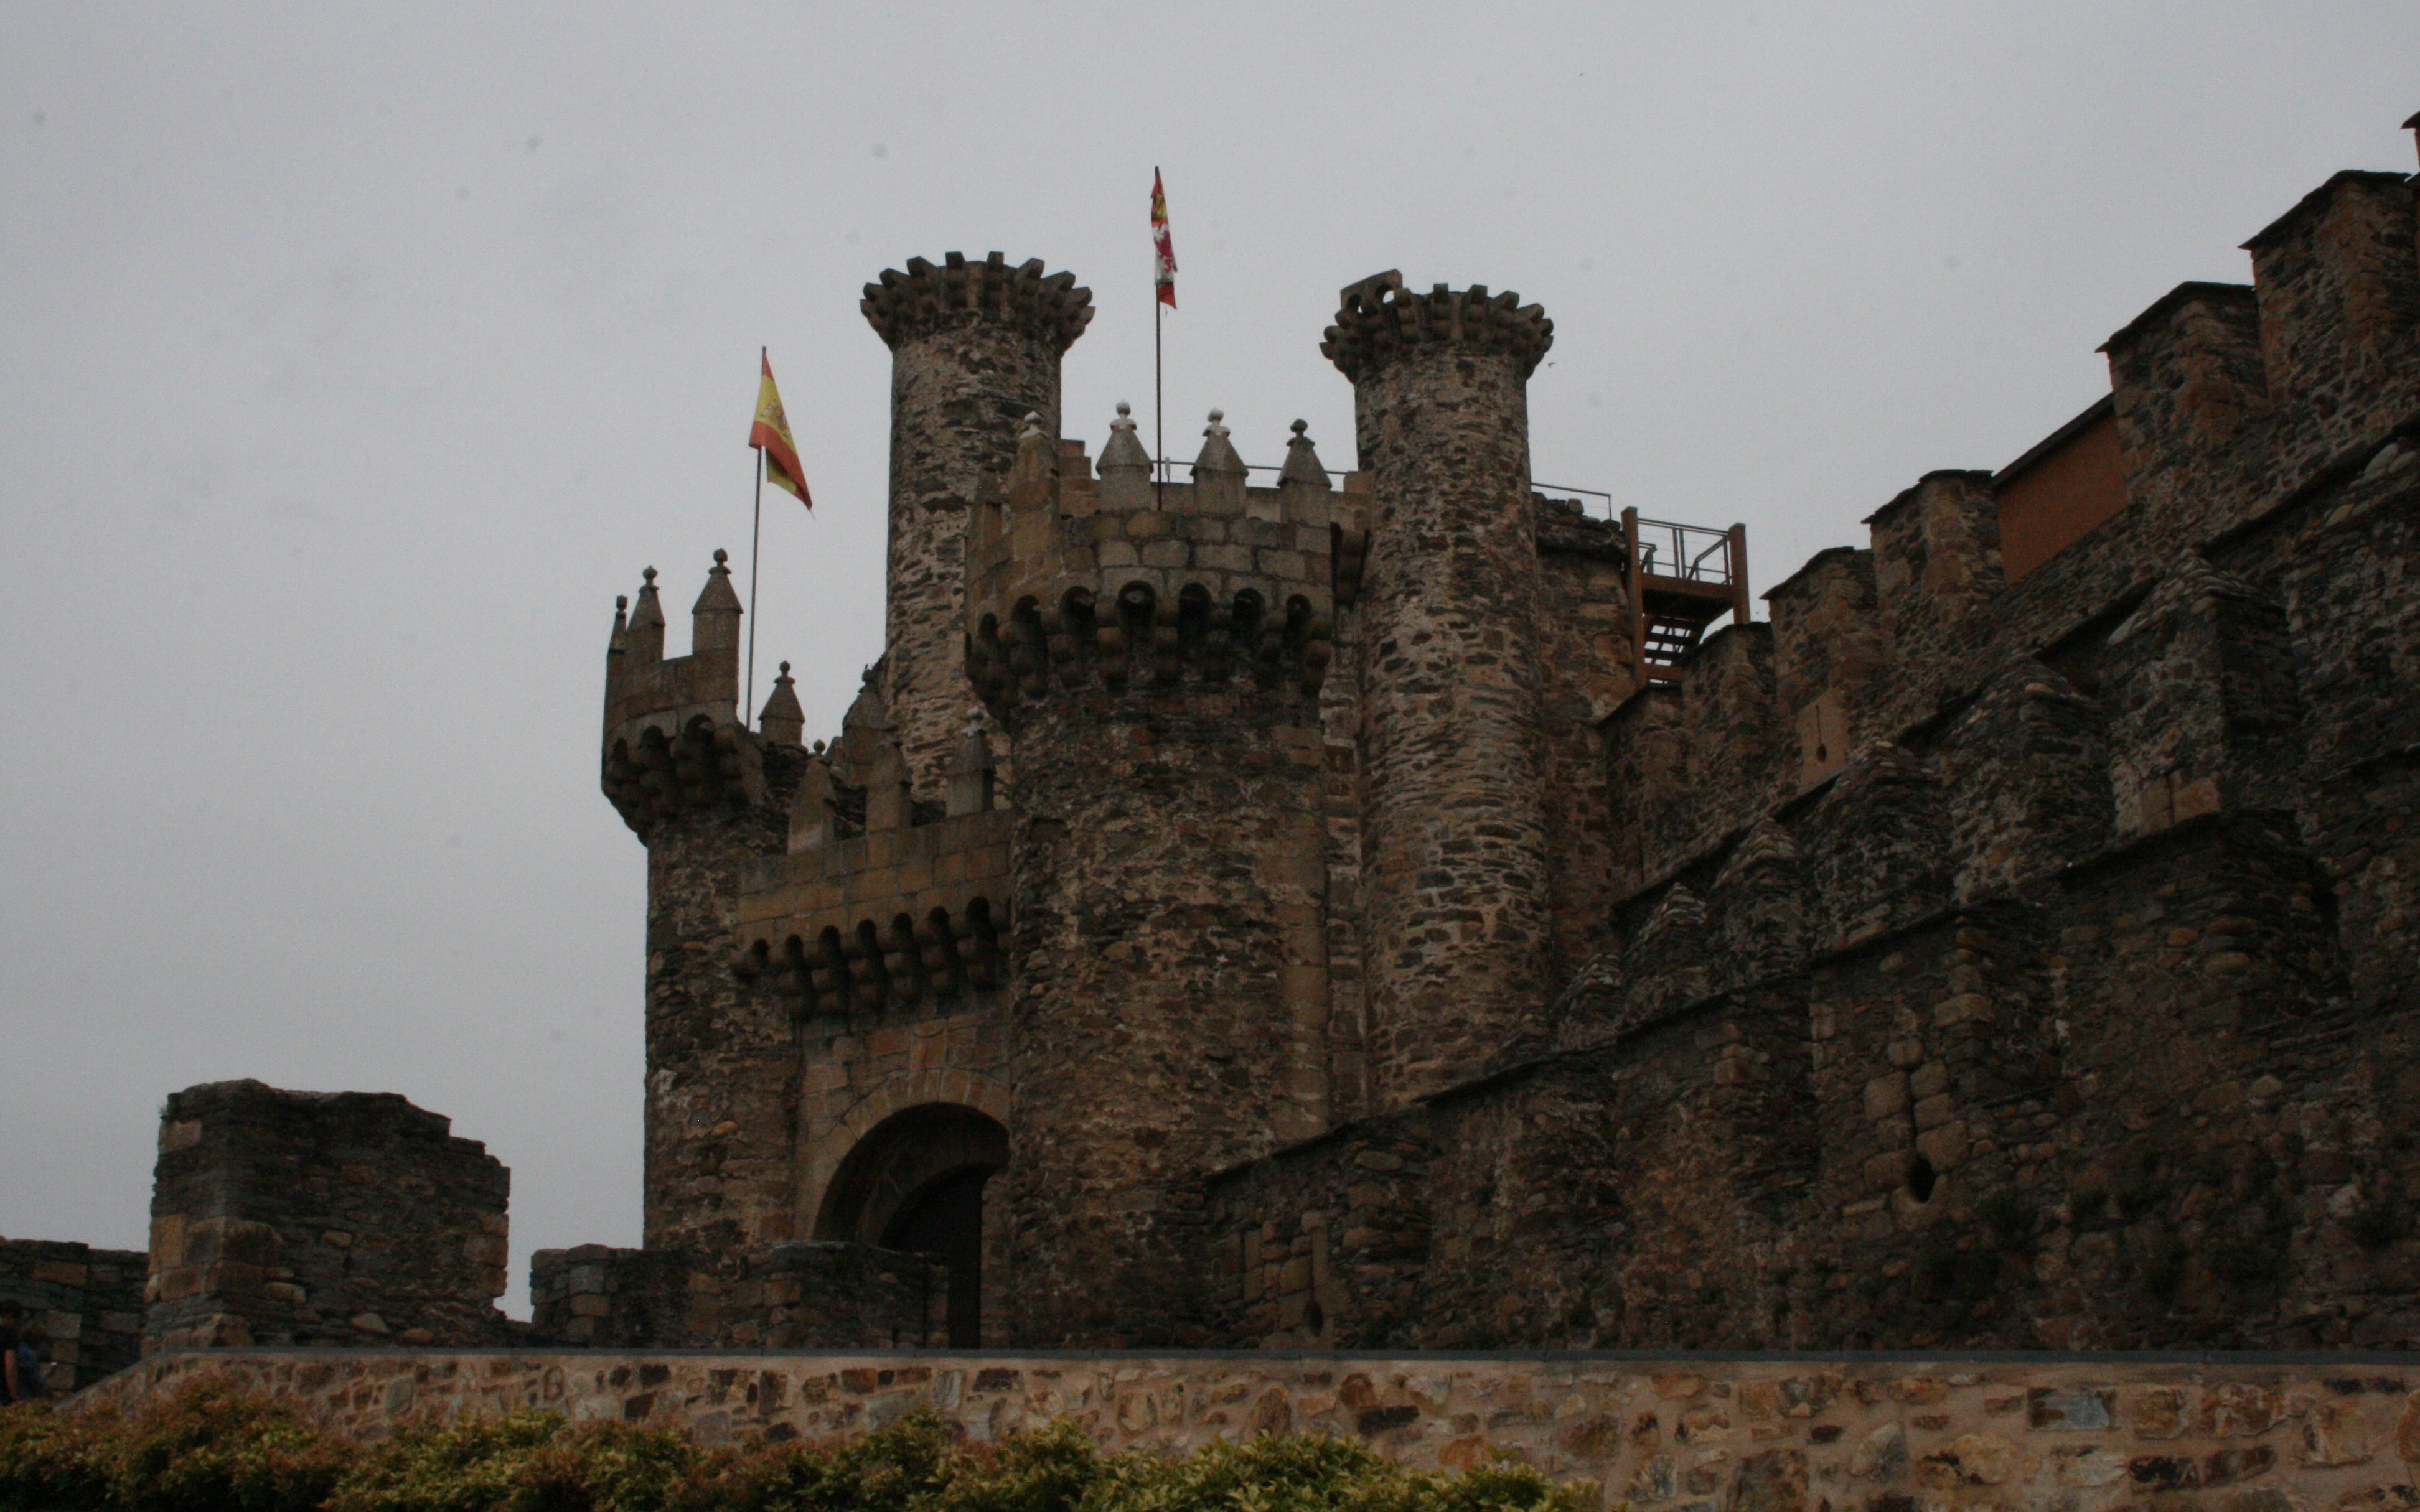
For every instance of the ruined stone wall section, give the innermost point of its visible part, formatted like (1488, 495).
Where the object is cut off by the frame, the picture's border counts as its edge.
(346, 1218)
(810, 1295)
(976, 350)
(1455, 746)
(90, 1300)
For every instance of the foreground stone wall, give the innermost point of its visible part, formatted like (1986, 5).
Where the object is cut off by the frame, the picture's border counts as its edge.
(1755, 1434)
(89, 1300)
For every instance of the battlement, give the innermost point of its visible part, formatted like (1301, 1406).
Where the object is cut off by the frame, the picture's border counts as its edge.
(1378, 318)
(899, 918)
(924, 300)
(1123, 581)
(674, 743)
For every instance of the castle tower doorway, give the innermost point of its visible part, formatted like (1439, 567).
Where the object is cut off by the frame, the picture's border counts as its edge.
(915, 1183)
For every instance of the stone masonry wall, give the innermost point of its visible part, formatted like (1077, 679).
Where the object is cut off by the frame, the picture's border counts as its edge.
(1454, 759)
(2077, 1433)
(1978, 1039)
(90, 1300)
(808, 1295)
(320, 1218)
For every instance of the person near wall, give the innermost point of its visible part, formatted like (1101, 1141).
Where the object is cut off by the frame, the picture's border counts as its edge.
(33, 1362)
(12, 1378)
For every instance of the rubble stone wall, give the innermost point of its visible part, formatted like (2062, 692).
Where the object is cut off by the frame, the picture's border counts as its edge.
(2079, 1433)
(90, 1300)
(320, 1218)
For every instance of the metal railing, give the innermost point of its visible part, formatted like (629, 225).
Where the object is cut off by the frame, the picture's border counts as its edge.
(1692, 553)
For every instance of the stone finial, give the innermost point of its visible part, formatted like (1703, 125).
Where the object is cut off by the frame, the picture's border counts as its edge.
(1302, 461)
(1030, 478)
(646, 640)
(621, 625)
(782, 721)
(1218, 453)
(1125, 467)
(715, 616)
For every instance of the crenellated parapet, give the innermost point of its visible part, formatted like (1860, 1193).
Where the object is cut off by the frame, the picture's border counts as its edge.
(1378, 318)
(925, 299)
(674, 741)
(1118, 583)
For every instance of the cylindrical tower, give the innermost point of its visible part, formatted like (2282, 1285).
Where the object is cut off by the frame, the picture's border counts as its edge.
(1455, 873)
(975, 348)
(1155, 654)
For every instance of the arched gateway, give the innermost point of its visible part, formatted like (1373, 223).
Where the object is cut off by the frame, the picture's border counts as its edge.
(916, 1182)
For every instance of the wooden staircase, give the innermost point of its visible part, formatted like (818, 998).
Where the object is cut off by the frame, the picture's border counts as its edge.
(1683, 578)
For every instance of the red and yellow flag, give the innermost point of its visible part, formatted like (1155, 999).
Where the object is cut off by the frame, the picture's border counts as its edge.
(1165, 252)
(771, 435)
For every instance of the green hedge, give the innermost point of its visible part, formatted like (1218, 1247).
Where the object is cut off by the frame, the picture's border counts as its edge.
(214, 1449)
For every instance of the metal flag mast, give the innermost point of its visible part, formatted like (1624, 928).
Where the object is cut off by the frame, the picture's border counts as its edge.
(777, 457)
(1163, 300)
(1158, 320)
(755, 534)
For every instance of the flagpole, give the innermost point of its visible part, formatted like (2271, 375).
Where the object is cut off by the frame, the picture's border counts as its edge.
(1158, 386)
(1158, 406)
(755, 534)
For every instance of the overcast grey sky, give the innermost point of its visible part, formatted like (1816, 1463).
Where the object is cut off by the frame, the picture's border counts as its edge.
(356, 356)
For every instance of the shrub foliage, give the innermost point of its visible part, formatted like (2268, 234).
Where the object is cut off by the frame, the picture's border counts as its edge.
(211, 1449)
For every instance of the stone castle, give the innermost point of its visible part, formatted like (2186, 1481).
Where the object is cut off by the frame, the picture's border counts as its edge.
(1382, 909)
(1396, 909)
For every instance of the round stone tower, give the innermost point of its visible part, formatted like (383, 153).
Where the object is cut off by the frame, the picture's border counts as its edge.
(975, 347)
(1454, 844)
(1155, 654)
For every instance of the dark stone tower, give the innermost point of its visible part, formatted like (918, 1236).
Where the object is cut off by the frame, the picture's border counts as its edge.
(1455, 877)
(691, 782)
(975, 348)
(1155, 655)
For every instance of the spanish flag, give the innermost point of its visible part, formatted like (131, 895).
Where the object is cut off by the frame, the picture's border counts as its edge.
(1163, 254)
(771, 436)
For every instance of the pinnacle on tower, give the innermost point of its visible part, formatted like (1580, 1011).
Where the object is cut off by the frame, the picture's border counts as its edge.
(1302, 461)
(715, 617)
(646, 640)
(782, 721)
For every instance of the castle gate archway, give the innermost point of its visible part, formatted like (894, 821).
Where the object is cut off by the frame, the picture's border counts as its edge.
(915, 1181)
